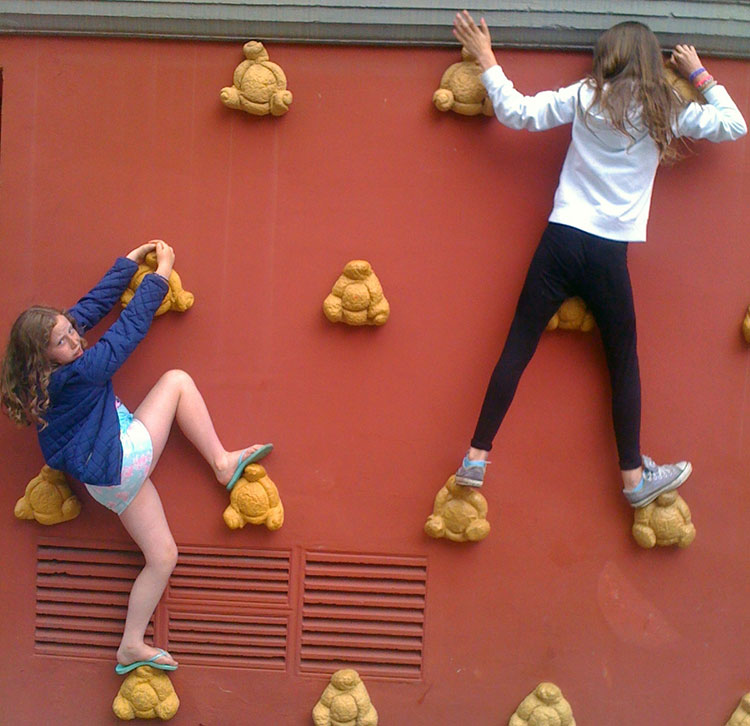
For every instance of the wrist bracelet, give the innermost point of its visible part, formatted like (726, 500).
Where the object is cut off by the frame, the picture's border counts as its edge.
(695, 73)
(700, 86)
(706, 86)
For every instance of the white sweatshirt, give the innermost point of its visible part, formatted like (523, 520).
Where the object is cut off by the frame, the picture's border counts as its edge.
(607, 178)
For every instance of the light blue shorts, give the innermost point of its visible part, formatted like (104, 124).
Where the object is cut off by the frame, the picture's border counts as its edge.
(137, 455)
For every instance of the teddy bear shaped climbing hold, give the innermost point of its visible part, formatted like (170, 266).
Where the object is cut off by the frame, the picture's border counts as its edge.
(345, 702)
(48, 499)
(176, 298)
(741, 715)
(746, 326)
(664, 522)
(461, 90)
(545, 706)
(572, 315)
(254, 499)
(357, 297)
(146, 693)
(259, 85)
(459, 514)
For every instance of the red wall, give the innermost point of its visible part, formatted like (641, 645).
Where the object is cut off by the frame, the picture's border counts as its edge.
(106, 144)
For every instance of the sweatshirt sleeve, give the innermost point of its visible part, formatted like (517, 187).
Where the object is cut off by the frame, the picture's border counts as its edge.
(543, 111)
(717, 120)
(100, 362)
(93, 306)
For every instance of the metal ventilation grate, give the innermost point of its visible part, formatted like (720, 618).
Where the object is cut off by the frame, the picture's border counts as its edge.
(229, 639)
(230, 575)
(81, 599)
(364, 612)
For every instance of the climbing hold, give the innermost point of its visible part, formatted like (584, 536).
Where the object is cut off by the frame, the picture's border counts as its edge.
(666, 521)
(572, 315)
(746, 326)
(741, 715)
(461, 90)
(682, 85)
(48, 499)
(146, 693)
(357, 297)
(459, 514)
(254, 499)
(345, 702)
(259, 85)
(176, 298)
(545, 706)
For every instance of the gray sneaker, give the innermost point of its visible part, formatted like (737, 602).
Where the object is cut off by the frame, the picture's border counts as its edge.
(657, 480)
(471, 473)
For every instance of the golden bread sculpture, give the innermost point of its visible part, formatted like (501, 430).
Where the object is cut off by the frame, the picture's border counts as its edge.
(459, 514)
(461, 89)
(176, 298)
(345, 702)
(357, 297)
(545, 706)
(48, 499)
(572, 315)
(254, 499)
(259, 86)
(146, 693)
(664, 522)
(741, 715)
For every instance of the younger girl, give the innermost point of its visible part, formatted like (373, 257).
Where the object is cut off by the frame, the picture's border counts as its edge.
(624, 116)
(51, 379)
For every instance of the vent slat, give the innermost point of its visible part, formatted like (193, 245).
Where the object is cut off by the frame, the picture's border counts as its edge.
(73, 623)
(392, 587)
(364, 612)
(101, 584)
(178, 582)
(91, 598)
(346, 640)
(223, 573)
(368, 627)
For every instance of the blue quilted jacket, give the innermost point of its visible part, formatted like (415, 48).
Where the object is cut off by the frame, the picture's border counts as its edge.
(82, 436)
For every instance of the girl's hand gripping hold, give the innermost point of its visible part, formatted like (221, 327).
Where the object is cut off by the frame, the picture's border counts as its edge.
(476, 39)
(139, 253)
(164, 259)
(685, 59)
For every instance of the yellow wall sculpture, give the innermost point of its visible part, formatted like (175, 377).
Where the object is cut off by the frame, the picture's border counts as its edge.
(176, 299)
(254, 499)
(741, 715)
(664, 522)
(746, 326)
(683, 86)
(461, 89)
(572, 315)
(357, 297)
(259, 85)
(544, 707)
(459, 514)
(146, 693)
(48, 499)
(345, 702)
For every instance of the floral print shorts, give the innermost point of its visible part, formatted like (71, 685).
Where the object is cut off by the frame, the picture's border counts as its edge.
(137, 454)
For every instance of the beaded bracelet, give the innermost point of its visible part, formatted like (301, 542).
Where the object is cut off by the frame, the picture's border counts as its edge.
(696, 73)
(703, 85)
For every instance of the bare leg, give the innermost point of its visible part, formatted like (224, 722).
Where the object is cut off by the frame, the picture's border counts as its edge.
(478, 454)
(145, 522)
(175, 396)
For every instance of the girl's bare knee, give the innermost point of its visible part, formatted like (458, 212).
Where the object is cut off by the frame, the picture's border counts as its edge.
(164, 558)
(177, 378)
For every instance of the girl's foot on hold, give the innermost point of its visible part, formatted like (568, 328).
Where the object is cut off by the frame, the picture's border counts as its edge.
(226, 465)
(656, 480)
(471, 471)
(127, 655)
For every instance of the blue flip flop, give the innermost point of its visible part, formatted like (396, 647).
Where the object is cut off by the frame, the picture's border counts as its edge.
(264, 450)
(121, 670)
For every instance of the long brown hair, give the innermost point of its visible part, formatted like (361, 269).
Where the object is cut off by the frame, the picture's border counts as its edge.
(26, 369)
(628, 77)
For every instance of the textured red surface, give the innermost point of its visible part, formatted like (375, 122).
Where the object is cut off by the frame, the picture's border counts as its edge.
(109, 143)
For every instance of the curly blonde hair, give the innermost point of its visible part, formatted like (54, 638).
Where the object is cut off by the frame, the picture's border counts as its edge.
(26, 368)
(628, 78)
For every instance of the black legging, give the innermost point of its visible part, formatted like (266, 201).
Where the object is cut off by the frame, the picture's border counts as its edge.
(571, 262)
